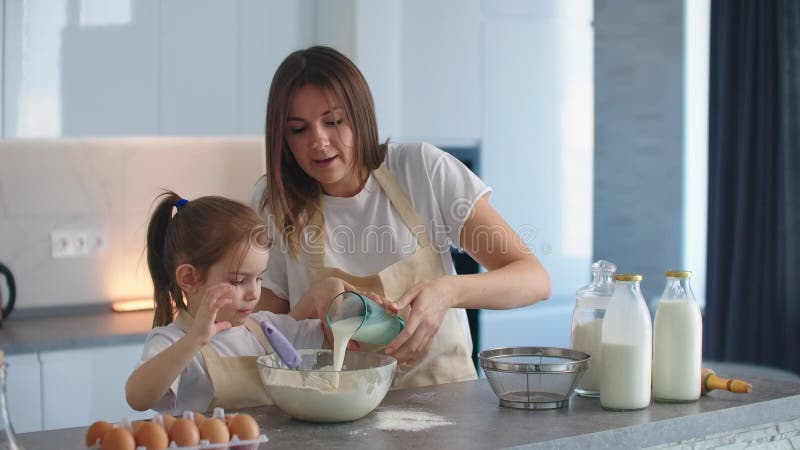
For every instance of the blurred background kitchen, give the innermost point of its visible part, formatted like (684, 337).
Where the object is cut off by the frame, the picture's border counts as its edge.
(590, 119)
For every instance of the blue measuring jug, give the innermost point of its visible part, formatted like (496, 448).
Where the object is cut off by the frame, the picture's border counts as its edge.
(377, 326)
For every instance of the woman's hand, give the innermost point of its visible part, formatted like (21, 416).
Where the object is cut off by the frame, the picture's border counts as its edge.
(315, 302)
(428, 302)
(205, 326)
(320, 294)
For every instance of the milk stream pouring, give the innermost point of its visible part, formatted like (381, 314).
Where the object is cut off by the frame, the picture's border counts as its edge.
(354, 316)
(591, 302)
(678, 342)
(8, 440)
(627, 347)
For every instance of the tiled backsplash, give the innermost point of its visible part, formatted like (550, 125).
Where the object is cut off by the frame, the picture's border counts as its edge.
(108, 185)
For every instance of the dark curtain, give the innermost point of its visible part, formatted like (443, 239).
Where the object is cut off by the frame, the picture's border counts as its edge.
(753, 300)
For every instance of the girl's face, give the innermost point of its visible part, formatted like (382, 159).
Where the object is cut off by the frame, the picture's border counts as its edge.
(245, 278)
(321, 140)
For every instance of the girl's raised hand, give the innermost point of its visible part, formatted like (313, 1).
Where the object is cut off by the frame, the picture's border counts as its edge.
(205, 325)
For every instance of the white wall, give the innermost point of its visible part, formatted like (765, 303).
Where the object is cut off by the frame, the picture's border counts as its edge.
(538, 152)
(104, 184)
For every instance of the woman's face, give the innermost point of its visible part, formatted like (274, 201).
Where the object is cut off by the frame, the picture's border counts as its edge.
(321, 140)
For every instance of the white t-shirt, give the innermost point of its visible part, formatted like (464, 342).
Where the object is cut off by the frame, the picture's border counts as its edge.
(365, 233)
(192, 391)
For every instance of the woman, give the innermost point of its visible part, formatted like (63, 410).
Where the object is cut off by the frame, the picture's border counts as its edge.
(381, 217)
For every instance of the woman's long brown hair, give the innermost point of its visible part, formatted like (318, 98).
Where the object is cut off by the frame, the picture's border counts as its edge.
(291, 195)
(201, 232)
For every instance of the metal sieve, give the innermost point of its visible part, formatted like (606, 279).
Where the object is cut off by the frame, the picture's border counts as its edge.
(533, 377)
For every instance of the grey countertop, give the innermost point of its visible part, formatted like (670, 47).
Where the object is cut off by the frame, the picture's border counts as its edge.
(467, 415)
(73, 327)
(459, 415)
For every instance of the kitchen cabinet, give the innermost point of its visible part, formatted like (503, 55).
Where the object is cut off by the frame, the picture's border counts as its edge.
(84, 385)
(80, 68)
(440, 70)
(516, 78)
(217, 60)
(24, 392)
(67, 388)
(144, 68)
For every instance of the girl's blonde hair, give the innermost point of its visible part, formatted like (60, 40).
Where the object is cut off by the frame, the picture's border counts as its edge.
(291, 195)
(199, 232)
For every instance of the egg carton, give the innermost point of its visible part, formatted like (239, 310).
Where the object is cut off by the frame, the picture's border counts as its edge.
(234, 443)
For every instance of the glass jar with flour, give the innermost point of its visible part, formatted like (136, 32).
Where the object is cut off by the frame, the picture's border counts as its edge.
(627, 347)
(8, 440)
(591, 302)
(677, 341)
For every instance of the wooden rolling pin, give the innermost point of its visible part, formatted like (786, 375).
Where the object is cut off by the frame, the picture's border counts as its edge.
(710, 381)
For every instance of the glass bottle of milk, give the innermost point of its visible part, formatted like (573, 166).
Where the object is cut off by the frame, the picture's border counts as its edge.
(677, 342)
(627, 347)
(587, 323)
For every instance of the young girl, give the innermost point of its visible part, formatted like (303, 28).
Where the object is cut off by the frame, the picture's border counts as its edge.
(206, 257)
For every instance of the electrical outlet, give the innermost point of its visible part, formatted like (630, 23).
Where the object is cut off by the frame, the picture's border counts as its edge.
(77, 243)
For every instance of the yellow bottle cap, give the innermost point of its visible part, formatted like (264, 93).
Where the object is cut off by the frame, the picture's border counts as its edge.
(679, 273)
(628, 277)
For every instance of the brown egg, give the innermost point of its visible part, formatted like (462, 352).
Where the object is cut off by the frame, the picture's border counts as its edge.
(135, 425)
(96, 432)
(198, 418)
(168, 420)
(184, 433)
(244, 426)
(118, 438)
(151, 435)
(214, 430)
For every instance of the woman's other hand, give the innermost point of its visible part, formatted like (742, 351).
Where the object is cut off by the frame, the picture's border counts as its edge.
(428, 303)
(314, 304)
(323, 291)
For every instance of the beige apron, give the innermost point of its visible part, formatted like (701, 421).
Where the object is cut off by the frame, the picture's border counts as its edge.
(235, 381)
(448, 359)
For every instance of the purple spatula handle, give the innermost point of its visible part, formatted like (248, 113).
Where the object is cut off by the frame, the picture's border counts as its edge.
(282, 346)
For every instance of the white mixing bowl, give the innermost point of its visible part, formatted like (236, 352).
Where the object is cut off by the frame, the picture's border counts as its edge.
(316, 393)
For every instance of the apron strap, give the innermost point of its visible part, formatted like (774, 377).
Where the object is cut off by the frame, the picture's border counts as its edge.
(398, 198)
(183, 320)
(255, 330)
(315, 231)
(401, 203)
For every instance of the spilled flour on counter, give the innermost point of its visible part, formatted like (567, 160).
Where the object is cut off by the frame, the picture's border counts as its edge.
(422, 397)
(408, 420)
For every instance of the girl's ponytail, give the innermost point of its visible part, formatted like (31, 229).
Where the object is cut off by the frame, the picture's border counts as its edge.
(159, 259)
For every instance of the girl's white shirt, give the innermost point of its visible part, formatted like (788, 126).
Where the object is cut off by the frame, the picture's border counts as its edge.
(192, 391)
(365, 233)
